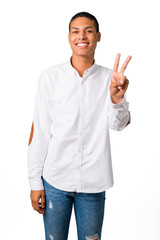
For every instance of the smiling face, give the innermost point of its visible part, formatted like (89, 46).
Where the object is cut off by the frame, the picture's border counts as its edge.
(83, 37)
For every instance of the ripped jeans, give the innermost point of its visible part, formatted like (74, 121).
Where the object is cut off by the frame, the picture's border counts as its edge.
(88, 208)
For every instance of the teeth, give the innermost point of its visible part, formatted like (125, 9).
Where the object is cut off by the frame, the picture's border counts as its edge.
(82, 44)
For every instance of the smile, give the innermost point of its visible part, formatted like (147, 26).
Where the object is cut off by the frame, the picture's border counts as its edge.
(82, 45)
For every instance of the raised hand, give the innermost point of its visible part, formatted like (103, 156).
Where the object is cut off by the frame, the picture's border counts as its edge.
(119, 82)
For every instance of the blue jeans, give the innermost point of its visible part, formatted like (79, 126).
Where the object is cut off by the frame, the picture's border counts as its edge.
(88, 208)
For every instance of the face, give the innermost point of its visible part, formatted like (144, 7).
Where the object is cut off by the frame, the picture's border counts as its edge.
(83, 37)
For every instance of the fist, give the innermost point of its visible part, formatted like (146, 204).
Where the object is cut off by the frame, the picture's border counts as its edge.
(38, 200)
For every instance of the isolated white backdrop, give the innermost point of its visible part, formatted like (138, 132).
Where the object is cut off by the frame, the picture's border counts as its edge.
(33, 38)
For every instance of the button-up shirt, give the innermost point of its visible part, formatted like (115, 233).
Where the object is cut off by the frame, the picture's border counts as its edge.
(69, 143)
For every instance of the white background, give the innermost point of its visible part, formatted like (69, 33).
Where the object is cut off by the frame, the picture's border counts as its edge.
(34, 36)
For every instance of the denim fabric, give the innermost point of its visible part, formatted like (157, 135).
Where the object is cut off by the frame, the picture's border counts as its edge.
(88, 208)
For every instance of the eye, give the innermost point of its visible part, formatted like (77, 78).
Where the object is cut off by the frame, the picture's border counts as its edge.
(75, 32)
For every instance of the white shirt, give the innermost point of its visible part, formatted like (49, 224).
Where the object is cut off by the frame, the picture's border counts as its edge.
(70, 146)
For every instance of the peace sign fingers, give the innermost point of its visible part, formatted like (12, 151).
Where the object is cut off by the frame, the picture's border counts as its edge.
(116, 64)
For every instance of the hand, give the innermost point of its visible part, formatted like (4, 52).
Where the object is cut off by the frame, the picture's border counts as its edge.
(36, 196)
(119, 83)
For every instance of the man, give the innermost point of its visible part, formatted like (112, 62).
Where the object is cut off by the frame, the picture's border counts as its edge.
(69, 158)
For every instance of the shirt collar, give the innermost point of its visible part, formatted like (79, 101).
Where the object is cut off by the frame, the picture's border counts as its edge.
(74, 72)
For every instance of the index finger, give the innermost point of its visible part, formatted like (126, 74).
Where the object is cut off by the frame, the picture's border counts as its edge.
(125, 64)
(116, 63)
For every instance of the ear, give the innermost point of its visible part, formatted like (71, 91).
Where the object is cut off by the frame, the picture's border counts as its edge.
(69, 37)
(98, 37)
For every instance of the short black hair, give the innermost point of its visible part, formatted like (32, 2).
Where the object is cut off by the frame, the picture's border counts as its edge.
(87, 15)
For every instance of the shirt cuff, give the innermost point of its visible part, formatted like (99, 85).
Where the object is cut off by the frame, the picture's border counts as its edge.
(119, 106)
(36, 186)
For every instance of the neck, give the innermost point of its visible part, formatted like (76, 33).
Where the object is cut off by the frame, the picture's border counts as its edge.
(82, 63)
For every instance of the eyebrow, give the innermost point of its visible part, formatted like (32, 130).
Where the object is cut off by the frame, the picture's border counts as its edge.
(84, 28)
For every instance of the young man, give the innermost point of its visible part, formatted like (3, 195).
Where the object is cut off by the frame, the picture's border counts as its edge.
(69, 158)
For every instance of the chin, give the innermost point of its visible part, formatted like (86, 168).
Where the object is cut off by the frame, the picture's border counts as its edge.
(83, 54)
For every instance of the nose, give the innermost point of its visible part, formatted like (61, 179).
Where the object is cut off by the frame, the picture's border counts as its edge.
(82, 36)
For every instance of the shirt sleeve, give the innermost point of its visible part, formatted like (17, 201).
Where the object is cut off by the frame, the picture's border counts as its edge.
(40, 136)
(119, 115)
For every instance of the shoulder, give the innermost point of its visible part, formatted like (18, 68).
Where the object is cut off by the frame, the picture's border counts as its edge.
(55, 69)
(51, 74)
(49, 77)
